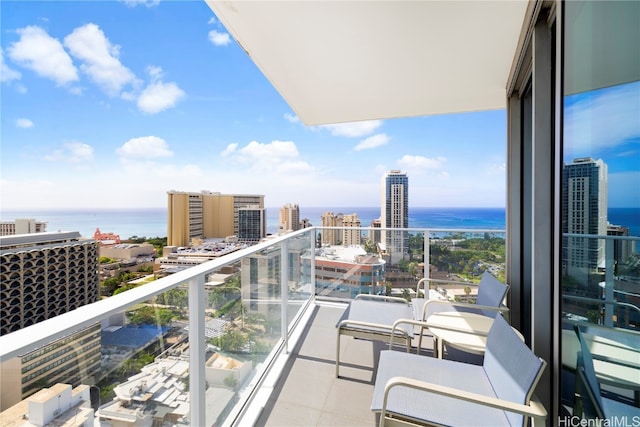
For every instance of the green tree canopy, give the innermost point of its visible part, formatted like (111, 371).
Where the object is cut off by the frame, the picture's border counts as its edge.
(149, 315)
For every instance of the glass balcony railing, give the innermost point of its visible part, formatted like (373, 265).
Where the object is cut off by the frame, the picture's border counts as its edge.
(134, 354)
(601, 298)
(186, 349)
(195, 347)
(392, 262)
(601, 280)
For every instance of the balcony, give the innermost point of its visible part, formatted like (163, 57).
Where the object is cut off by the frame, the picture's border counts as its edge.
(258, 328)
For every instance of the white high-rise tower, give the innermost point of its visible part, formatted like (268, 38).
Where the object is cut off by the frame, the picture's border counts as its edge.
(394, 213)
(584, 211)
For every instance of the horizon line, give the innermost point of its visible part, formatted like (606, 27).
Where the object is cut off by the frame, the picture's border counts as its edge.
(84, 208)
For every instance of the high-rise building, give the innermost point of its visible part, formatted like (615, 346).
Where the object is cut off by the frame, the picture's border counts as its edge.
(394, 213)
(43, 275)
(331, 236)
(622, 249)
(22, 226)
(351, 232)
(289, 218)
(205, 215)
(584, 211)
(305, 223)
(251, 223)
(374, 233)
(241, 201)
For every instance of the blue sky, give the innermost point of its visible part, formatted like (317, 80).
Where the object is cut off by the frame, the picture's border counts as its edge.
(114, 103)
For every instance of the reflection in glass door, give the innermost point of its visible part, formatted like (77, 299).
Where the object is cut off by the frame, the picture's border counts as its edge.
(600, 199)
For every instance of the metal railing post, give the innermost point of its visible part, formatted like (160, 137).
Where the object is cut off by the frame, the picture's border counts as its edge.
(284, 292)
(608, 284)
(427, 257)
(312, 264)
(197, 351)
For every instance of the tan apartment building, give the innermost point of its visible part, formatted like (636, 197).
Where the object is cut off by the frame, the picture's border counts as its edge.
(351, 232)
(331, 237)
(205, 215)
(22, 226)
(374, 233)
(289, 218)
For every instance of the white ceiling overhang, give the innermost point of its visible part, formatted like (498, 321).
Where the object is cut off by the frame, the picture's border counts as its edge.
(343, 61)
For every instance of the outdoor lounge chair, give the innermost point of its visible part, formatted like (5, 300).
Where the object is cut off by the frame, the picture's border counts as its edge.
(489, 302)
(412, 389)
(615, 353)
(372, 317)
(590, 404)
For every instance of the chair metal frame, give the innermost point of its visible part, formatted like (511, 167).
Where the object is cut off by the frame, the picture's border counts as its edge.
(373, 331)
(533, 410)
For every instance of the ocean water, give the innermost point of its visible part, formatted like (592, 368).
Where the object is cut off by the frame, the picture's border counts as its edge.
(489, 218)
(152, 222)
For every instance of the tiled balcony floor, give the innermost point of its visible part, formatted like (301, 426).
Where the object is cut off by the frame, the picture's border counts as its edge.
(309, 394)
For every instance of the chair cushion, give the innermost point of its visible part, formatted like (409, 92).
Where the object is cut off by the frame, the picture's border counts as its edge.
(491, 292)
(432, 407)
(378, 313)
(418, 305)
(511, 367)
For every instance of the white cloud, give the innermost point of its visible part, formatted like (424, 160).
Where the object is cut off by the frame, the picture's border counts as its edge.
(292, 118)
(155, 72)
(100, 58)
(353, 129)
(39, 52)
(212, 20)
(231, 148)
(602, 119)
(296, 167)
(372, 142)
(275, 150)
(158, 96)
(497, 169)
(191, 170)
(13, 192)
(277, 156)
(173, 172)
(72, 152)
(20, 88)
(418, 163)
(144, 147)
(7, 74)
(148, 3)
(218, 38)
(24, 123)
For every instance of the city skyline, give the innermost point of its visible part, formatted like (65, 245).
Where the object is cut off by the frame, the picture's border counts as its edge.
(113, 104)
